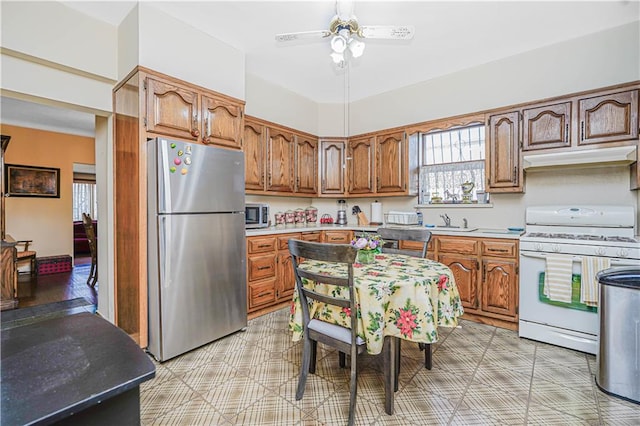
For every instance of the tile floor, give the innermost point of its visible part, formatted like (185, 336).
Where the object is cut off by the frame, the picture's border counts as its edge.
(481, 375)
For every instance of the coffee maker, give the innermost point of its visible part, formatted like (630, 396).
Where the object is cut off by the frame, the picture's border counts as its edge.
(342, 213)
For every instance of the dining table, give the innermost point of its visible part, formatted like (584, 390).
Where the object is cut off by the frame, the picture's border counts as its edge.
(398, 297)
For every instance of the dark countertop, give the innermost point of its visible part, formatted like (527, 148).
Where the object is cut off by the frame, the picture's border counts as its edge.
(55, 368)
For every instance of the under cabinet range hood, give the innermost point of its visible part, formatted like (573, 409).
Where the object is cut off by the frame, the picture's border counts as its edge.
(619, 155)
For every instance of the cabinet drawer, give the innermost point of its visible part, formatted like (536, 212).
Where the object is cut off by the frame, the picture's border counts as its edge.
(499, 248)
(311, 236)
(261, 267)
(261, 245)
(283, 240)
(414, 245)
(457, 245)
(337, 237)
(262, 293)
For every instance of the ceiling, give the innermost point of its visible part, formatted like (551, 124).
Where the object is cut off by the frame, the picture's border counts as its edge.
(449, 36)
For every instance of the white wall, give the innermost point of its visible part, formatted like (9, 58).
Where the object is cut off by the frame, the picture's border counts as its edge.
(172, 47)
(128, 42)
(279, 105)
(597, 60)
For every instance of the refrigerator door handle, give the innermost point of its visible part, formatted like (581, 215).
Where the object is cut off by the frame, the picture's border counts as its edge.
(164, 186)
(165, 251)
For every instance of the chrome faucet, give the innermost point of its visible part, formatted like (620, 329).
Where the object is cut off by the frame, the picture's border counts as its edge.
(465, 223)
(447, 219)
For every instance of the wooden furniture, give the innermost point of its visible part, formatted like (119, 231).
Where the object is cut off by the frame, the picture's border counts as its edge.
(93, 248)
(398, 296)
(9, 274)
(26, 255)
(422, 238)
(486, 272)
(148, 104)
(344, 339)
(75, 369)
(337, 236)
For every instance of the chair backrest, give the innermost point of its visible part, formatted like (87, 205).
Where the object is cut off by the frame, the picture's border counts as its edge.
(335, 253)
(91, 235)
(408, 234)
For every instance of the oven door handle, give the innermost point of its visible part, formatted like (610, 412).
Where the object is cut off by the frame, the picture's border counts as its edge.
(613, 262)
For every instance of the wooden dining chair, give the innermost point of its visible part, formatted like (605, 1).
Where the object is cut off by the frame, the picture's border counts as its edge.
(345, 340)
(391, 235)
(26, 254)
(93, 248)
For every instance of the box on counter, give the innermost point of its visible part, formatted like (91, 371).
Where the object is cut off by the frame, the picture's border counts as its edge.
(53, 264)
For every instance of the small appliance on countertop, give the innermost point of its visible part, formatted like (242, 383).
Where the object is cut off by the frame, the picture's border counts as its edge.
(256, 215)
(341, 218)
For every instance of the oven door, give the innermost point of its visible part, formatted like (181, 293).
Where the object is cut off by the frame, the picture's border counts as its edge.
(573, 325)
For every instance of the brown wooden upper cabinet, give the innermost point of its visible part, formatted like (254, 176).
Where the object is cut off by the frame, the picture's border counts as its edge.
(547, 126)
(608, 118)
(173, 109)
(254, 146)
(306, 164)
(332, 163)
(360, 165)
(280, 160)
(504, 173)
(391, 160)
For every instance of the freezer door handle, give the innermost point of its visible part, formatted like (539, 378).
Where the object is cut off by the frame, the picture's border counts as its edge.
(164, 185)
(165, 254)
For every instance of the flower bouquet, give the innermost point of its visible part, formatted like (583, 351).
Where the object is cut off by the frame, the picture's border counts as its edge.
(368, 246)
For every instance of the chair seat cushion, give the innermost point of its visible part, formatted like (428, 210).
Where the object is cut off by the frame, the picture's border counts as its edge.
(333, 330)
(22, 254)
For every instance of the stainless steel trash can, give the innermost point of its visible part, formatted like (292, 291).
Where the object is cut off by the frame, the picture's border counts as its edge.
(618, 358)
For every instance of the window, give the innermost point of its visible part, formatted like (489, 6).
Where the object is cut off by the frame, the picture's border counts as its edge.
(451, 158)
(85, 198)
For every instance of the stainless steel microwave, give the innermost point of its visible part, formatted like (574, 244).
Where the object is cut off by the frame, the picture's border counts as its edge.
(256, 215)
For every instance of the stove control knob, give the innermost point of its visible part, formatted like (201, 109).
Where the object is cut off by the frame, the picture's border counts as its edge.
(600, 251)
(623, 252)
(555, 248)
(537, 247)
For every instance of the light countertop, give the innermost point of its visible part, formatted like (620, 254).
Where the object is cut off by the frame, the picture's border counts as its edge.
(462, 232)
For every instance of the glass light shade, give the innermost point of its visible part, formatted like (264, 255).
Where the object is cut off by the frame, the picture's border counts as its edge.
(337, 57)
(338, 44)
(356, 47)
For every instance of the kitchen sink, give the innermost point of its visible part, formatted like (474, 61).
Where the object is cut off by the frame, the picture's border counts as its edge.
(453, 229)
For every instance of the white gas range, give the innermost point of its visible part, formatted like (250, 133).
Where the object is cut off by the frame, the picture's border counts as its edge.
(579, 233)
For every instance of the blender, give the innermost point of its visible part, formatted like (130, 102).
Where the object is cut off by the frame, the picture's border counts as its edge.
(342, 213)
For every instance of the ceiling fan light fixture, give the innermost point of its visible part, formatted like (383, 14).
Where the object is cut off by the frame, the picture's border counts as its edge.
(338, 43)
(337, 57)
(356, 47)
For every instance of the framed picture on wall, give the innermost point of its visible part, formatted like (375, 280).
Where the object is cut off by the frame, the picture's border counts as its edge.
(30, 181)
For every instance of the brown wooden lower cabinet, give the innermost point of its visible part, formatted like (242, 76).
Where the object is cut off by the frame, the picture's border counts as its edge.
(486, 273)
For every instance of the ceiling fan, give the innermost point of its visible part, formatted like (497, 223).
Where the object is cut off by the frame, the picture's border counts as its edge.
(347, 34)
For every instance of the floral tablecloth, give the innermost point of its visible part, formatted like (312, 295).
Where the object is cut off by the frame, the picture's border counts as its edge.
(402, 296)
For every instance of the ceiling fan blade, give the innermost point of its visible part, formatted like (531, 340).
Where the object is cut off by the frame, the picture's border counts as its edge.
(303, 35)
(393, 32)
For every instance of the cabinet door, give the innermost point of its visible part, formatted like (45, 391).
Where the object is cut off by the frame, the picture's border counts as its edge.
(255, 147)
(499, 287)
(172, 110)
(221, 122)
(609, 118)
(332, 163)
(280, 146)
(286, 281)
(546, 126)
(306, 164)
(465, 271)
(390, 163)
(360, 157)
(504, 174)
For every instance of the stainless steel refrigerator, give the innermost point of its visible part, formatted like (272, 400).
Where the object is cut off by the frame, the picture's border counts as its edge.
(196, 245)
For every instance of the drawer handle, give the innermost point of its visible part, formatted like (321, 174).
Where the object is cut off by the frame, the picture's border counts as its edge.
(262, 268)
(499, 250)
(264, 245)
(264, 293)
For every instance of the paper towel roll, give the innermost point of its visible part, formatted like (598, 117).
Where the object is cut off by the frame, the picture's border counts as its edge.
(376, 212)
